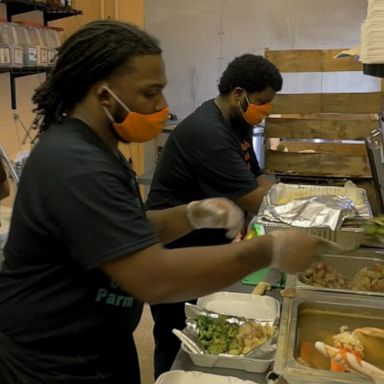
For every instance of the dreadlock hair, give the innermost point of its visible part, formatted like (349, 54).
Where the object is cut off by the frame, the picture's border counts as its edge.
(251, 72)
(88, 56)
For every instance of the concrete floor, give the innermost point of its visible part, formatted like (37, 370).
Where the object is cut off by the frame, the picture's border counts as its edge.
(145, 345)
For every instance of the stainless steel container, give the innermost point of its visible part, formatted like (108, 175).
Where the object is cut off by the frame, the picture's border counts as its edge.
(316, 316)
(347, 264)
(348, 237)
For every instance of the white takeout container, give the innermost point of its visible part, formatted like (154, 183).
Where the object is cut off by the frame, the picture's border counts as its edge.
(263, 308)
(246, 305)
(231, 362)
(193, 377)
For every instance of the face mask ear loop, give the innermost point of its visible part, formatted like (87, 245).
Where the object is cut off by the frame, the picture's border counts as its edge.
(117, 98)
(109, 115)
(246, 98)
(239, 104)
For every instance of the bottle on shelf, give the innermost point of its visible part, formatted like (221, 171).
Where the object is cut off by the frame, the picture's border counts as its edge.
(17, 54)
(6, 43)
(29, 50)
(45, 50)
(5, 49)
(54, 42)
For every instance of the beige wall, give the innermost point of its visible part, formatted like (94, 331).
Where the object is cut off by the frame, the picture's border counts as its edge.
(12, 134)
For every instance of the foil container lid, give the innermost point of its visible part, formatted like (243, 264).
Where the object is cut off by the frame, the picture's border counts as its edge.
(327, 211)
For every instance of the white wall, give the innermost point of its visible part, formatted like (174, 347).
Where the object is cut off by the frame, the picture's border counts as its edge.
(200, 37)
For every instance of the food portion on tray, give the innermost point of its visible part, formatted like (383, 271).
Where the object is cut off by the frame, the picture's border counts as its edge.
(366, 279)
(231, 335)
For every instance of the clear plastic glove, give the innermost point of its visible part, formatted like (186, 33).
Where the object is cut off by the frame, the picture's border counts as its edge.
(294, 251)
(217, 212)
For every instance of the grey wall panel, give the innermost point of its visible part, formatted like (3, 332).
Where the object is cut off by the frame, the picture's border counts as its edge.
(200, 37)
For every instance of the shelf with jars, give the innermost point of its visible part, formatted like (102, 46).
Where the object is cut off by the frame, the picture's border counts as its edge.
(52, 10)
(28, 48)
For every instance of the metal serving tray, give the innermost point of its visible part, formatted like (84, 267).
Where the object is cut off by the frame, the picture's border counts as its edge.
(347, 264)
(315, 316)
(349, 238)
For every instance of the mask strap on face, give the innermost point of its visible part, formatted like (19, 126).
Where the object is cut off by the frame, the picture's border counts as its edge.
(109, 115)
(246, 98)
(117, 98)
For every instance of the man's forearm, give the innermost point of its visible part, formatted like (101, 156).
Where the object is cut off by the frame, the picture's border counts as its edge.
(170, 223)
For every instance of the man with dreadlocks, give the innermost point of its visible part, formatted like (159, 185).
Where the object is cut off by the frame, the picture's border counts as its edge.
(82, 254)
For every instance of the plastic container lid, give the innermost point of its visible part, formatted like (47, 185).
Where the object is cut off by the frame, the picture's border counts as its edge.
(20, 34)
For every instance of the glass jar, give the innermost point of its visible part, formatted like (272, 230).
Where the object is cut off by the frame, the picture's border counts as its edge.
(29, 49)
(5, 49)
(54, 42)
(17, 59)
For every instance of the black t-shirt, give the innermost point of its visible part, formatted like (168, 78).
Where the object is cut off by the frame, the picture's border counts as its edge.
(204, 157)
(77, 207)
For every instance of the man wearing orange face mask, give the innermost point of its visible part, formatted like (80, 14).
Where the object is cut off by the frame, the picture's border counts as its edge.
(82, 253)
(210, 153)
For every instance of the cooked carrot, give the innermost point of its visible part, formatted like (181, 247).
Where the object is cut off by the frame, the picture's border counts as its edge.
(306, 351)
(336, 367)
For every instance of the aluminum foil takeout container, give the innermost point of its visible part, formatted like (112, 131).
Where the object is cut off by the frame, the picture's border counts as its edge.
(348, 236)
(259, 359)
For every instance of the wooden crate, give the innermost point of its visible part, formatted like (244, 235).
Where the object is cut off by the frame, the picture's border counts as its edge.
(330, 125)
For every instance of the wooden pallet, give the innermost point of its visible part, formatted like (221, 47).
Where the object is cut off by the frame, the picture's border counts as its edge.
(339, 122)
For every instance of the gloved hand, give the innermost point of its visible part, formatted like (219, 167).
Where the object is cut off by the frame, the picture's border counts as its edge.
(294, 251)
(217, 212)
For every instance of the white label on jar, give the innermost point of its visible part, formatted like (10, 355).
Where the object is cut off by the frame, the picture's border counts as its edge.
(32, 55)
(5, 56)
(18, 56)
(51, 56)
(44, 55)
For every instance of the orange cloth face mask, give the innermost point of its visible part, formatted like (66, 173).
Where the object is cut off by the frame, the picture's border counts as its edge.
(137, 127)
(254, 114)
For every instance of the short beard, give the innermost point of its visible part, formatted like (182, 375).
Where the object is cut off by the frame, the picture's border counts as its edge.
(240, 124)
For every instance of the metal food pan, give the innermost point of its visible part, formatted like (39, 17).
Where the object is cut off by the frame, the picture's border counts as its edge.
(320, 321)
(319, 314)
(282, 195)
(348, 265)
(348, 237)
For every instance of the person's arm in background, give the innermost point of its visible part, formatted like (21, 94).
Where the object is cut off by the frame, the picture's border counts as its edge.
(4, 184)
(251, 201)
(172, 223)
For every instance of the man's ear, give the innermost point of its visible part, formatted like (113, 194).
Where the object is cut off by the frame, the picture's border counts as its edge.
(101, 92)
(238, 93)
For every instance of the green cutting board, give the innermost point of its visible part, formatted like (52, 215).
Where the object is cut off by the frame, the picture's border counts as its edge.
(255, 278)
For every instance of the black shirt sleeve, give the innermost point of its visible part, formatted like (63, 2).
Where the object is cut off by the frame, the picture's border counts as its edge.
(99, 217)
(223, 172)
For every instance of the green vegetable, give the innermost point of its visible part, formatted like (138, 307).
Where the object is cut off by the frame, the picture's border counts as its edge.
(218, 335)
(375, 226)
